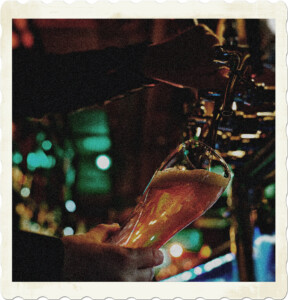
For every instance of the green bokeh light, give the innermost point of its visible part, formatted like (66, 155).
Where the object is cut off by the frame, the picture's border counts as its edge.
(32, 160)
(269, 191)
(94, 144)
(218, 169)
(46, 145)
(191, 239)
(17, 158)
(90, 130)
(100, 184)
(92, 122)
(40, 136)
(40, 160)
(70, 176)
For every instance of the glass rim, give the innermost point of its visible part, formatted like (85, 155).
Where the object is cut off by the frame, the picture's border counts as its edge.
(192, 141)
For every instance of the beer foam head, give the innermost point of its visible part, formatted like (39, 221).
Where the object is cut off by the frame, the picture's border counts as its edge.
(174, 176)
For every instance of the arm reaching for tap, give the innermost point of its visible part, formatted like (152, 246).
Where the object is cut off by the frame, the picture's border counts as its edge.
(187, 60)
(44, 83)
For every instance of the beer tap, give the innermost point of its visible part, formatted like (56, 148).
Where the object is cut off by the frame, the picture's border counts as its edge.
(237, 63)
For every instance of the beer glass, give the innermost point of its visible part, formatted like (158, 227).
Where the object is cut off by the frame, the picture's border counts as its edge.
(188, 183)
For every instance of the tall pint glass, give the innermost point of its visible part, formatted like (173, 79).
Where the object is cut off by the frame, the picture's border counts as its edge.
(180, 191)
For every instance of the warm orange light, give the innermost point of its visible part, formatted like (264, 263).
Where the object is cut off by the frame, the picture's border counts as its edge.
(188, 265)
(20, 24)
(235, 138)
(20, 209)
(172, 270)
(233, 248)
(241, 31)
(27, 39)
(15, 40)
(205, 251)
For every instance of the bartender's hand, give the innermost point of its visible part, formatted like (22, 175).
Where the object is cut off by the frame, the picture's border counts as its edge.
(87, 257)
(187, 60)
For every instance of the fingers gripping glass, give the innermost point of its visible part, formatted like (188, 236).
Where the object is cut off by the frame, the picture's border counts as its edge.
(180, 191)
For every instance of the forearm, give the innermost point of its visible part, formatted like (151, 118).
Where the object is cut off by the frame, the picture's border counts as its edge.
(63, 83)
(36, 257)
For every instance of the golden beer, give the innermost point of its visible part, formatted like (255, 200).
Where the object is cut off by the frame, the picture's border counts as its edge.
(173, 200)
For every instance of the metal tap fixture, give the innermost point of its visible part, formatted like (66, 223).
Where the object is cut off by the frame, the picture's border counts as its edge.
(238, 64)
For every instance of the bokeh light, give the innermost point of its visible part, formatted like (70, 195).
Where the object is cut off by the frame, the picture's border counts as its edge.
(17, 158)
(46, 145)
(27, 39)
(269, 191)
(40, 160)
(95, 143)
(186, 276)
(21, 24)
(103, 162)
(70, 205)
(176, 250)
(198, 270)
(205, 251)
(25, 192)
(15, 40)
(68, 231)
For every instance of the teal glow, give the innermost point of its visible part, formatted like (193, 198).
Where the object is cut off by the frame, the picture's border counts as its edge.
(99, 183)
(95, 143)
(52, 161)
(70, 176)
(91, 122)
(69, 152)
(17, 158)
(40, 136)
(103, 162)
(195, 239)
(191, 239)
(269, 191)
(205, 268)
(40, 160)
(46, 145)
(32, 160)
(220, 170)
